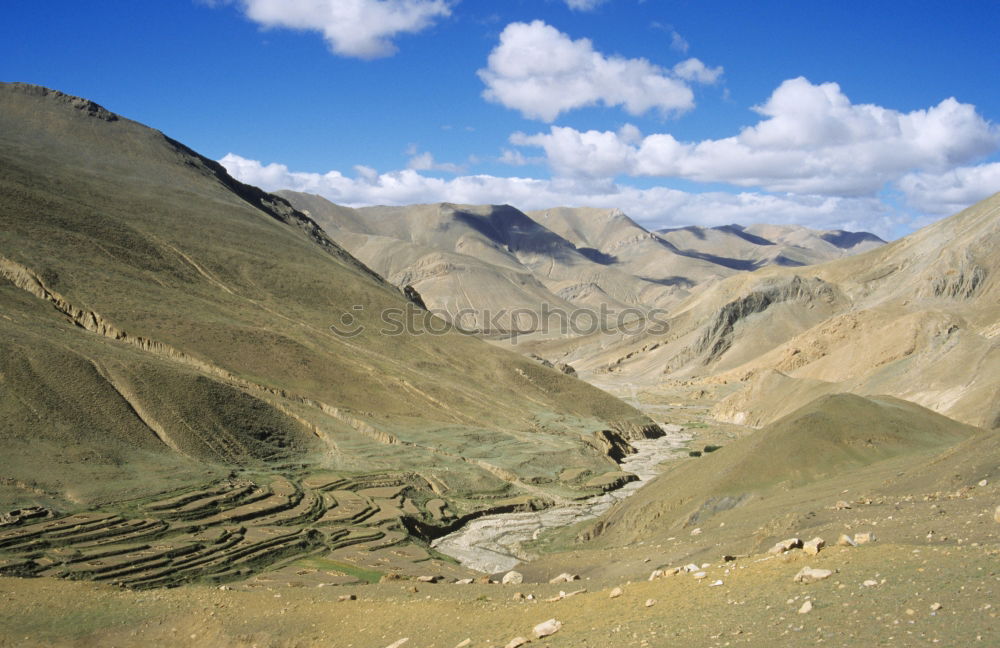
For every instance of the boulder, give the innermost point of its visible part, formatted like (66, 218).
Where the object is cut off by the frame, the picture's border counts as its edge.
(513, 578)
(546, 628)
(810, 575)
(846, 541)
(813, 546)
(785, 545)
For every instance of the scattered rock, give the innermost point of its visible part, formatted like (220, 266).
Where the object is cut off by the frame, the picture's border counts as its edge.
(428, 579)
(547, 628)
(810, 575)
(518, 596)
(715, 583)
(695, 532)
(864, 538)
(616, 592)
(564, 578)
(347, 597)
(391, 576)
(413, 589)
(700, 575)
(657, 573)
(806, 608)
(691, 567)
(464, 643)
(813, 546)
(996, 514)
(786, 545)
(870, 583)
(846, 541)
(842, 505)
(226, 588)
(517, 642)
(397, 644)
(982, 482)
(650, 602)
(464, 581)
(513, 578)
(935, 607)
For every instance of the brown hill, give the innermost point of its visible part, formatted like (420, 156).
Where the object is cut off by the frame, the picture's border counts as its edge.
(163, 322)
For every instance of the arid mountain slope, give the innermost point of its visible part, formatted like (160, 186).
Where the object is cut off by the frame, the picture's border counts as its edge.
(917, 319)
(759, 245)
(469, 261)
(479, 264)
(799, 462)
(162, 321)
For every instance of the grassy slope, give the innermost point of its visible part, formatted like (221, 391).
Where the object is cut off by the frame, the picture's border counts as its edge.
(834, 442)
(222, 298)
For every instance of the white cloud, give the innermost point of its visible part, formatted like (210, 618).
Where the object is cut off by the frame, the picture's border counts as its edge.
(678, 43)
(952, 191)
(358, 28)
(425, 162)
(694, 70)
(542, 72)
(584, 5)
(811, 140)
(654, 207)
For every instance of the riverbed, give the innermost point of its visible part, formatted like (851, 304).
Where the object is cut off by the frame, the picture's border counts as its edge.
(493, 543)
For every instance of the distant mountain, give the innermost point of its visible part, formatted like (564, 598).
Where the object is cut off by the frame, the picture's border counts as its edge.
(472, 263)
(756, 246)
(916, 319)
(162, 324)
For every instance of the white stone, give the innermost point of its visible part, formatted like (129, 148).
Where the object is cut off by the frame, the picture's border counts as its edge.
(650, 602)
(564, 578)
(864, 538)
(870, 583)
(810, 575)
(806, 608)
(517, 642)
(547, 628)
(513, 578)
(397, 644)
(846, 541)
(700, 575)
(616, 592)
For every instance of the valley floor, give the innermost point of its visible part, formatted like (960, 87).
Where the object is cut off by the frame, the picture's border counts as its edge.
(933, 578)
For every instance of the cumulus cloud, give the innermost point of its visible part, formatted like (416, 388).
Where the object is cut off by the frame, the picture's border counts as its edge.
(694, 70)
(654, 207)
(811, 140)
(952, 191)
(357, 28)
(542, 72)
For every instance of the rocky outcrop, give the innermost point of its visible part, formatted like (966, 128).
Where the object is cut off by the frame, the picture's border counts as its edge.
(717, 336)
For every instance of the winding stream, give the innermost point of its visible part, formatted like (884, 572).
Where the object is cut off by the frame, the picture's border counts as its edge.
(492, 543)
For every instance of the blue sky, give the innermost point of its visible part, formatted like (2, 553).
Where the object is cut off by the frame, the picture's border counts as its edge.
(866, 115)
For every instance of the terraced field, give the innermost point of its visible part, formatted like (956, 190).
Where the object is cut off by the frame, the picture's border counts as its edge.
(320, 528)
